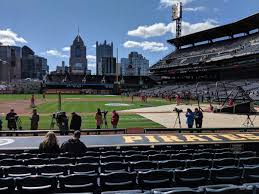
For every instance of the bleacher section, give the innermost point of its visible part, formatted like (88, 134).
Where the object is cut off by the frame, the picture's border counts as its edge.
(205, 89)
(161, 169)
(224, 52)
(94, 84)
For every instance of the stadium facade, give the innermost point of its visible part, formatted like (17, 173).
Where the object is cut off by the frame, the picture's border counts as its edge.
(226, 52)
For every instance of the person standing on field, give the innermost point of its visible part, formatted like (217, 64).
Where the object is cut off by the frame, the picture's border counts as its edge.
(76, 122)
(35, 118)
(115, 119)
(99, 119)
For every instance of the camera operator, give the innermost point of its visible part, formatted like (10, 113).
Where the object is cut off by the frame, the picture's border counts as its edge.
(76, 122)
(105, 118)
(11, 118)
(62, 122)
(198, 115)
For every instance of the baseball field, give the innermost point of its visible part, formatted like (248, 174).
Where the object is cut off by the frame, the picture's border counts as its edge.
(85, 105)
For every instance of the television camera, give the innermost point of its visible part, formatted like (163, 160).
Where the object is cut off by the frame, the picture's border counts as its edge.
(61, 120)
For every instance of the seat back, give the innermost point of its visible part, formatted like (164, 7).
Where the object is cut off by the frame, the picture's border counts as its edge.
(155, 179)
(36, 184)
(78, 183)
(192, 177)
(118, 181)
(7, 185)
(227, 175)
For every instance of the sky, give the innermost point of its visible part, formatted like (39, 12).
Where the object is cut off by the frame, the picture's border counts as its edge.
(50, 26)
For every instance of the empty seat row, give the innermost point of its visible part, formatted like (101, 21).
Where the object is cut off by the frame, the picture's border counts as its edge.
(124, 181)
(116, 152)
(116, 158)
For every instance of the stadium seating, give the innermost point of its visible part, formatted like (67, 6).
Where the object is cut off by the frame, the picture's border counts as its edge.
(162, 169)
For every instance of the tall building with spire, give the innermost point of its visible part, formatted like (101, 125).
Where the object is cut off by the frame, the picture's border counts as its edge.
(105, 62)
(78, 60)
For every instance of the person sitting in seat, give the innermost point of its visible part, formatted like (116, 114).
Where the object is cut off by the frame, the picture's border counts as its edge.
(49, 144)
(74, 145)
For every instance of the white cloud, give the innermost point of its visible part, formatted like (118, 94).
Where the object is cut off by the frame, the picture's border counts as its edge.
(194, 9)
(161, 29)
(157, 29)
(169, 3)
(55, 53)
(66, 49)
(91, 65)
(91, 58)
(94, 45)
(148, 46)
(8, 37)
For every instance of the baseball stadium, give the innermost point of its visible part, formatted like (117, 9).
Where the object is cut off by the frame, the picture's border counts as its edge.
(189, 127)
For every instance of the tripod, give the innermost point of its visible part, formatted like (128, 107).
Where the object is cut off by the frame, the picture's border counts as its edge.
(53, 123)
(249, 122)
(178, 118)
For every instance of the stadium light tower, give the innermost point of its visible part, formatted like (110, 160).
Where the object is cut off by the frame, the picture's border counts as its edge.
(177, 13)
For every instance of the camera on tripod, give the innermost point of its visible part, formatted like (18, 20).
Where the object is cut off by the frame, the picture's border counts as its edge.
(61, 121)
(178, 110)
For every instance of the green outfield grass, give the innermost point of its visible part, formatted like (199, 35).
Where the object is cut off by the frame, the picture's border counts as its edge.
(86, 104)
(50, 96)
(126, 121)
(86, 107)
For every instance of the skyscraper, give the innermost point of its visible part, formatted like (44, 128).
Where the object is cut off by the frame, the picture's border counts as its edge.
(10, 67)
(78, 60)
(104, 51)
(134, 65)
(33, 66)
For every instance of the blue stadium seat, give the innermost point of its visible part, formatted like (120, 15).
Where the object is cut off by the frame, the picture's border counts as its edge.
(225, 162)
(224, 155)
(203, 155)
(251, 174)
(62, 160)
(183, 156)
(160, 157)
(136, 158)
(229, 190)
(7, 185)
(251, 161)
(142, 166)
(114, 167)
(52, 170)
(78, 183)
(19, 171)
(155, 179)
(118, 181)
(36, 184)
(226, 175)
(25, 156)
(36, 162)
(11, 162)
(84, 168)
(192, 177)
(201, 163)
(88, 159)
(171, 164)
(114, 158)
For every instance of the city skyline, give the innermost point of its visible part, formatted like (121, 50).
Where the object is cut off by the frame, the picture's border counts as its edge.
(49, 27)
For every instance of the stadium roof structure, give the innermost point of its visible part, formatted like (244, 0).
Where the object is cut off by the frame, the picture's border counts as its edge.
(242, 26)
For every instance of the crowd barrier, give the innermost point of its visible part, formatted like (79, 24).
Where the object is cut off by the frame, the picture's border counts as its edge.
(125, 131)
(196, 130)
(44, 131)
